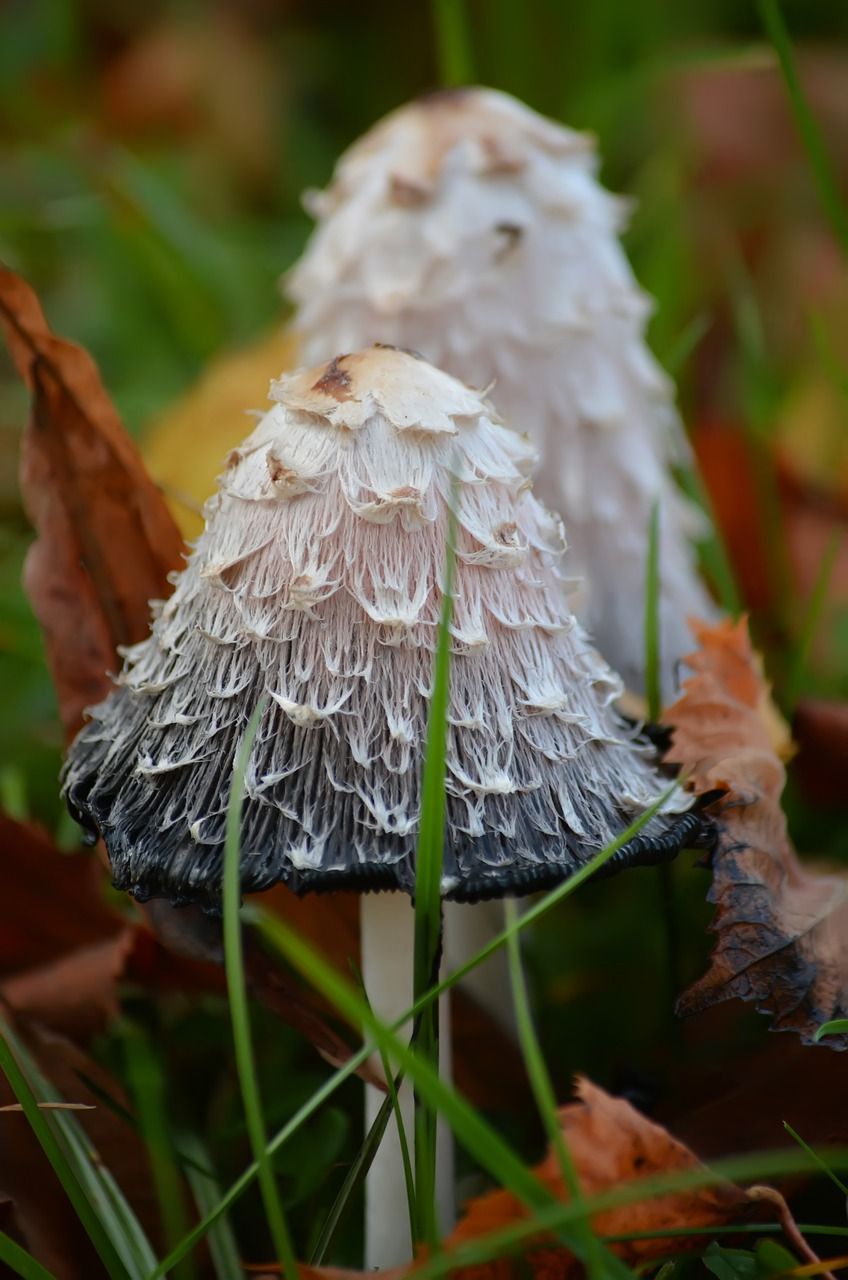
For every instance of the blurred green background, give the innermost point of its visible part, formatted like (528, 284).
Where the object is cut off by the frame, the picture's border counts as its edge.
(152, 161)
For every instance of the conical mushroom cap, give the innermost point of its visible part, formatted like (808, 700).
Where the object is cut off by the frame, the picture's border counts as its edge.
(318, 579)
(470, 228)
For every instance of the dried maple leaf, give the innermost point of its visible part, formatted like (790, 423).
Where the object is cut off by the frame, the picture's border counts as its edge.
(106, 541)
(782, 928)
(611, 1145)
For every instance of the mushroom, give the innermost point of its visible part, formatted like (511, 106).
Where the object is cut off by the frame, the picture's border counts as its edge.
(317, 583)
(473, 230)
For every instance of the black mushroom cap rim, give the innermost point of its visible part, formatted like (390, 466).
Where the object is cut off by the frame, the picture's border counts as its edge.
(317, 583)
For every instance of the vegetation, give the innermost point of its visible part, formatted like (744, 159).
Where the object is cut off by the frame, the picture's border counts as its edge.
(153, 160)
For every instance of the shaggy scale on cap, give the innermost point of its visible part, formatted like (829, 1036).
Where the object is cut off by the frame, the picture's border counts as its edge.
(317, 579)
(473, 230)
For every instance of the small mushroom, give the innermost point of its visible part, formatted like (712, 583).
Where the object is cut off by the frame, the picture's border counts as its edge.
(318, 582)
(469, 228)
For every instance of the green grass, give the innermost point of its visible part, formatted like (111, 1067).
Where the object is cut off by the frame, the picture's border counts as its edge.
(239, 1012)
(147, 1085)
(428, 892)
(98, 1203)
(810, 623)
(21, 1262)
(453, 42)
(206, 1190)
(598, 1260)
(268, 926)
(819, 161)
(825, 1168)
(837, 1027)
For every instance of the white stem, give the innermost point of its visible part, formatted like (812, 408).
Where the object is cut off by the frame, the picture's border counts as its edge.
(468, 928)
(387, 933)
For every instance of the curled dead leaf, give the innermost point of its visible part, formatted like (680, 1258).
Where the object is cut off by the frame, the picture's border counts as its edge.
(611, 1145)
(782, 928)
(106, 541)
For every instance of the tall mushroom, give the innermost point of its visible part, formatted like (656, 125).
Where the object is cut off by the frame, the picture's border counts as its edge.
(471, 229)
(318, 580)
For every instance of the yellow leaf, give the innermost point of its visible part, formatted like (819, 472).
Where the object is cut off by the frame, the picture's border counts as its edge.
(186, 446)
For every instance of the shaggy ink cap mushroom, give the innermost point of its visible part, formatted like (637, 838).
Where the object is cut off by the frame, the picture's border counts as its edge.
(472, 229)
(317, 581)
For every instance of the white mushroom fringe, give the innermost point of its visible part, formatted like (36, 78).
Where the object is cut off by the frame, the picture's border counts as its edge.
(470, 229)
(318, 581)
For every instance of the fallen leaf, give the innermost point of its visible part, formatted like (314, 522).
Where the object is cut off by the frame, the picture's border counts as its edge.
(782, 928)
(52, 902)
(106, 541)
(611, 1145)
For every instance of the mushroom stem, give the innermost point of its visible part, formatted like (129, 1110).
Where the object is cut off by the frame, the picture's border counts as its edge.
(469, 927)
(387, 933)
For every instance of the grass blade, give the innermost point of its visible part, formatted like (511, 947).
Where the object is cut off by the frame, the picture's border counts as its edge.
(453, 42)
(817, 1158)
(712, 550)
(812, 618)
(479, 1138)
(21, 1262)
(358, 1171)
(207, 1194)
(44, 1125)
(239, 1012)
(356, 1175)
(838, 1027)
(539, 908)
(518, 1235)
(428, 893)
(543, 1093)
(146, 1083)
(834, 208)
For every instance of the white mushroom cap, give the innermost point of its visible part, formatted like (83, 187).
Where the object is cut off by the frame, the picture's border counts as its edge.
(473, 230)
(318, 579)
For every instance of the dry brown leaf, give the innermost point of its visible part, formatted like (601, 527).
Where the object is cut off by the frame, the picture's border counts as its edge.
(106, 541)
(51, 903)
(611, 1145)
(77, 994)
(782, 928)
